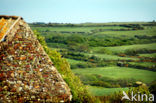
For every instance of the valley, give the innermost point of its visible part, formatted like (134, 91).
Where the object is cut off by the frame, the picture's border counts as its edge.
(108, 57)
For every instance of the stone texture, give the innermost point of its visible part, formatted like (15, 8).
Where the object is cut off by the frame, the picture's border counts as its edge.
(26, 72)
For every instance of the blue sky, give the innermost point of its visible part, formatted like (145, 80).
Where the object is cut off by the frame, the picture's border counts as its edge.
(80, 11)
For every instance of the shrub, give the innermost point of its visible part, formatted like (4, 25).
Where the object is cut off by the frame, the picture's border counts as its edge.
(152, 87)
(137, 51)
(116, 97)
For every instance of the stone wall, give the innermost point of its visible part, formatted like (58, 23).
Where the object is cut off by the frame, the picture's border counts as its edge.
(26, 72)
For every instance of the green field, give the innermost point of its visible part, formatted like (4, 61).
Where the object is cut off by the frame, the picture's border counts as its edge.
(75, 29)
(145, 64)
(106, 56)
(100, 91)
(120, 72)
(72, 61)
(111, 57)
(148, 55)
(149, 31)
(122, 49)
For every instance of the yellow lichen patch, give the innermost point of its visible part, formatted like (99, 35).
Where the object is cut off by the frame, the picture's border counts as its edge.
(3, 27)
(2, 22)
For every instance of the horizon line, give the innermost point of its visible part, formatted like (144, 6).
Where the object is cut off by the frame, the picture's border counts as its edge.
(91, 22)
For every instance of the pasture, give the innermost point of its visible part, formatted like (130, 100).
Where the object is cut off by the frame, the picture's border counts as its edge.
(74, 29)
(119, 73)
(149, 31)
(122, 49)
(148, 55)
(109, 54)
(100, 91)
(110, 57)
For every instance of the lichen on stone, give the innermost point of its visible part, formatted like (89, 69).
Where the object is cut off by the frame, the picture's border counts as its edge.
(26, 72)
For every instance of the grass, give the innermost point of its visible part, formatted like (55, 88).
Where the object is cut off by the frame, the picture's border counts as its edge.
(148, 55)
(74, 29)
(144, 64)
(111, 57)
(100, 91)
(147, 31)
(120, 72)
(72, 61)
(108, 53)
(122, 49)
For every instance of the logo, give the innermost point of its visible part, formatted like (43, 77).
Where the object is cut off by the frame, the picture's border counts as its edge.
(138, 97)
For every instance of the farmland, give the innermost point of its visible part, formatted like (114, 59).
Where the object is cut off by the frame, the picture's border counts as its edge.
(123, 49)
(119, 73)
(106, 56)
(99, 91)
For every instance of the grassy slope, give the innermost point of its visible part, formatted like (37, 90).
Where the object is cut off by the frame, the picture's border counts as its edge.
(144, 64)
(114, 72)
(72, 61)
(74, 29)
(149, 31)
(122, 49)
(100, 91)
(148, 55)
(120, 72)
(111, 57)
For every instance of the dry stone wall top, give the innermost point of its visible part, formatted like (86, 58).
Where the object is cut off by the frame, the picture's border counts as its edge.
(26, 72)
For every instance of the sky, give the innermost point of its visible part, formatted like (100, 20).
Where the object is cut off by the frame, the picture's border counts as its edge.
(80, 11)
